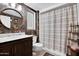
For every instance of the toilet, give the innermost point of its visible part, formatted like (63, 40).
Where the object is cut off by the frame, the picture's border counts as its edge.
(36, 46)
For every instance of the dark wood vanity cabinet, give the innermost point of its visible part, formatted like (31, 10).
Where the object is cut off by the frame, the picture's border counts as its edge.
(20, 47)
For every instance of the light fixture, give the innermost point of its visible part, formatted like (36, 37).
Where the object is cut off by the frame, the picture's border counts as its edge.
(13, 5)
(19, 7)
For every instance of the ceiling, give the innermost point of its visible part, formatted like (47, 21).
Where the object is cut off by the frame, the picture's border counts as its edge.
(40, 6)
(2, 6)
(36, 6)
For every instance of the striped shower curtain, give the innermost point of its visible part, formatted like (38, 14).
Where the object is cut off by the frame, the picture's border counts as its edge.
(54, 27)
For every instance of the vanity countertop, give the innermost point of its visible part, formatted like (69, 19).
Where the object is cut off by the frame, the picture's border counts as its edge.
(11, 38)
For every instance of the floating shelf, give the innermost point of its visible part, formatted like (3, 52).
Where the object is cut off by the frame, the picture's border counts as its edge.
(72, 40)
(74, 26)
(73, 48)
(74, 32)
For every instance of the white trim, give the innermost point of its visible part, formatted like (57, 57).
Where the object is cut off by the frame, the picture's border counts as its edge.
(53, 52)
(78, 11)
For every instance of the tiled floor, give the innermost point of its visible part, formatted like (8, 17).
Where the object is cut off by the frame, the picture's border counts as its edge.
(39, 53)
(47, 54)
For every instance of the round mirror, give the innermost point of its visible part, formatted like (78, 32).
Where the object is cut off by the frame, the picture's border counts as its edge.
(6, 21)
(7, 15)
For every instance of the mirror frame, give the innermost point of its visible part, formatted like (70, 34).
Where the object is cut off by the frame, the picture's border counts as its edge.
(2, 13)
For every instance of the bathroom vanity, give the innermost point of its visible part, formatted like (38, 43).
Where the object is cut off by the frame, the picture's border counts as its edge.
(20, 45)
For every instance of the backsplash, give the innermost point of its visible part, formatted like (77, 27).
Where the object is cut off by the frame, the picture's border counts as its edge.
(11, 34)
(16, 27)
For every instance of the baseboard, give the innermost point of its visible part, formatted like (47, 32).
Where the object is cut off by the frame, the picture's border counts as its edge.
(56, 53)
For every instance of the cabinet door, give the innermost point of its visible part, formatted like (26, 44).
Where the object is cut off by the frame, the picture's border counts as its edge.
(23, 47)
(28, 47)
(6, 50)
(19, 49)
